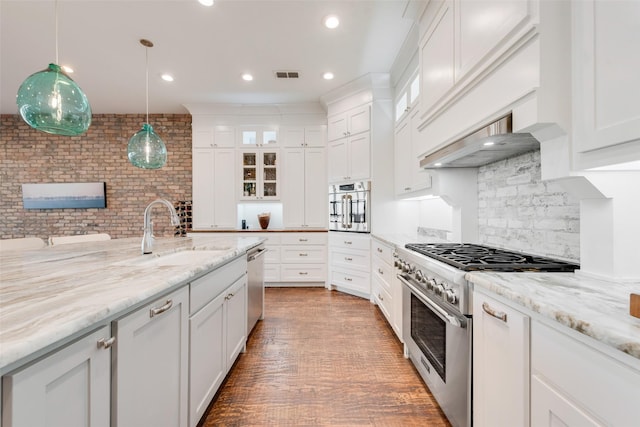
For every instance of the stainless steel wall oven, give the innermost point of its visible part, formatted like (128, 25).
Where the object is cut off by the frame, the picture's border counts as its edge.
(349, 207)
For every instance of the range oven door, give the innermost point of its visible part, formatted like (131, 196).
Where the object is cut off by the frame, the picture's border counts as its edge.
(438, 341)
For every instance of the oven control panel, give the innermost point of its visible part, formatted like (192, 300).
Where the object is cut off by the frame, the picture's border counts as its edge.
(428, 281)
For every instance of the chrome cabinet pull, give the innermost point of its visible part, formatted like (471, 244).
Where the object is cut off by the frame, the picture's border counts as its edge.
(303, 254)
(347, 242)
(106, 344)
(348, 259)
(348, 279)
(229, 296)
(303, 240)
(500, 315)
(156, 311)
(303, 273)
(380, 271)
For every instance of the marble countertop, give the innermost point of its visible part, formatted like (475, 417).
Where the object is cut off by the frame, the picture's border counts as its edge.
(593, 307)
(50, 294)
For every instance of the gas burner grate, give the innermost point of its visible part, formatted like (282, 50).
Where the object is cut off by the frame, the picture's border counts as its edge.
(471, 257)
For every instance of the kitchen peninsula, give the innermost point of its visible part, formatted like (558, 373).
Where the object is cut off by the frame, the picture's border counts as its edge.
(66, 297)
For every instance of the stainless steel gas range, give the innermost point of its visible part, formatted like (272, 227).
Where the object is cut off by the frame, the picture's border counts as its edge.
(437, 313)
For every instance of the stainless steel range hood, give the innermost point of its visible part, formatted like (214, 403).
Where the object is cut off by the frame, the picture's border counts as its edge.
(487, 145)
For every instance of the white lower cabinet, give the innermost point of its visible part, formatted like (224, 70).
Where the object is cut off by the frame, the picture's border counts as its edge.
(574, 384)
(150, 363)
(387, 291)
(303, 257)
(350, 263)
(500, 364)
(67, 388)
(218, 314)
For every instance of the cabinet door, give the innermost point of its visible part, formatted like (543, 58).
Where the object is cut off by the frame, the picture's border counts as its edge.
(402, 159)
(338, 160)
(337, 127)
(236, 320)
(202, 137)
(606, 84)
(316, 210)
(437, 58)
(223, 198)
(315, 136)
(151, 355)
(68, 388)
(292, 136)
(269, 175)
(549, 408)
(203, 189)
(207, 358)
(420, 178)
(224, 136)
(293, 187)
(359, 120)
(359, 156)
(500, 364)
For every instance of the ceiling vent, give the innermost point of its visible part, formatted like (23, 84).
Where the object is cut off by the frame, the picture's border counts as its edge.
(287, 74)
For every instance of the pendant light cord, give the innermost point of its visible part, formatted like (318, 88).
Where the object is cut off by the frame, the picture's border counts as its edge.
(146, 52)
(56, 15)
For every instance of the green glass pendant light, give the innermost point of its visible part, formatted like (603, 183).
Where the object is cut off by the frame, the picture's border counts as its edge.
(146, 149)
(50, 101)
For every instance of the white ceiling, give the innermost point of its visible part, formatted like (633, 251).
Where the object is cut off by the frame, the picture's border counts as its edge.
(205, 48)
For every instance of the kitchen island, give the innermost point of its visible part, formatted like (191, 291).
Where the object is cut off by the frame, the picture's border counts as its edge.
(50, 296)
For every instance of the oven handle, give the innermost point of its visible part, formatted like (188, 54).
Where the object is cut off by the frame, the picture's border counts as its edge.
(453, 319)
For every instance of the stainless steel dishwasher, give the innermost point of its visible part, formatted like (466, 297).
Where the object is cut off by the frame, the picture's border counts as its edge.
(255, 292)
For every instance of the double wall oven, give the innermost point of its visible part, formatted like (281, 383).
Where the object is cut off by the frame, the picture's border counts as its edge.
(437, 313)
(349, 207)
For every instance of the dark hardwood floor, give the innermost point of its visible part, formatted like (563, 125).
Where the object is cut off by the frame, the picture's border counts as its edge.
(322, 358)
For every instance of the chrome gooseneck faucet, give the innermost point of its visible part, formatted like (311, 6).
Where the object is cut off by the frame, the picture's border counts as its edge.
(147, 239)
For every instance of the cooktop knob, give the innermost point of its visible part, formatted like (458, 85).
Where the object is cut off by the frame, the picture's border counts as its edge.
(439, 289)
(450, 296)
(431, 284)
(419, 276)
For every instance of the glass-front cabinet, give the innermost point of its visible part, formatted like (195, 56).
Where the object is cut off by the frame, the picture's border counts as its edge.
(260, 175)
(258, 136)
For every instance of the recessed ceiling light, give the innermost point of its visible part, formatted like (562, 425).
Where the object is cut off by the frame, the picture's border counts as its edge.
(206, 2)
(67, 69)
(488, 143)
(247, 77)
(327, 76)
(331, 22)
(437, 164)
(167, 77)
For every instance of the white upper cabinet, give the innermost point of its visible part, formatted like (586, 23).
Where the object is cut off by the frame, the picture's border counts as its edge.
(350, 122)
(606, 87)
(214, 197)
(213, 136)
(437, 57)
(304, 187)
(303, 136)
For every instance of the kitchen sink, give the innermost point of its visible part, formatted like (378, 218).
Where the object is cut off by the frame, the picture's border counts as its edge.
(174, 259)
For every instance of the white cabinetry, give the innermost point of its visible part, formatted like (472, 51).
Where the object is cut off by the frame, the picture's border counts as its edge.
(350, 263)
(259, 170)
(350, 158)
(257, 136)
(577, 385)
(151, 364)
(272, 257)
(303, 257)
(303, 136)
(214, 188)
(207, 135)
(500, 364)
(387, 292)
(215, 330)
(67, 388)
(606, 87)
(351, 122)
(304, 187)
(409, 176)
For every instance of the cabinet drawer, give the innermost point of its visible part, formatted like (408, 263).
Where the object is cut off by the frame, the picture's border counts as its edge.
(207, 287)
(356, 280)
(272, 239)
(382, 251)
(383, 272)
(303, 254)
(349, 241)
(303, 273)
(272, 272)
(304, 239)
(351, 259)
(273, 255)
(383, 298)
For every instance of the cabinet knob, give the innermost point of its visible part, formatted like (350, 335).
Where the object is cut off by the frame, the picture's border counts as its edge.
(380, 297)
(379, 250)
(106, 344)
(380, 271)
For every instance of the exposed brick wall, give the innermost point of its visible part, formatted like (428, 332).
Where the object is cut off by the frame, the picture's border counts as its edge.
(517, 210)
(29, 156)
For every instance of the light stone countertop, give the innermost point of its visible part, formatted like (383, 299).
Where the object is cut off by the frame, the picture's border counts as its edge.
(48, 295)
(593, 307)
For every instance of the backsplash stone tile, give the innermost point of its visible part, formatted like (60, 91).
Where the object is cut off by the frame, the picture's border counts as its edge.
(29, 156)
(517, 210)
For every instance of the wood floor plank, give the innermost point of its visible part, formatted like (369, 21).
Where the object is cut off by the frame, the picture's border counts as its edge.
(322, 358)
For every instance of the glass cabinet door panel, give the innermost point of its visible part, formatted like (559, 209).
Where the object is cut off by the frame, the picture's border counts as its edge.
(249, 189)
(270, 189)
(249, 159)
(249, 137)
(269, 159)
(269, 137)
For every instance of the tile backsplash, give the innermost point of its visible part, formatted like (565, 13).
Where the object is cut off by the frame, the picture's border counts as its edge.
(519, 211)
